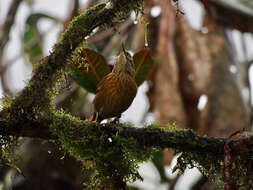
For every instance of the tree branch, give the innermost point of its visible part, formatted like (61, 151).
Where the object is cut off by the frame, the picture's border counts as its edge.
(150, 136)
(231, 14)
(5, 31)
(4, 38)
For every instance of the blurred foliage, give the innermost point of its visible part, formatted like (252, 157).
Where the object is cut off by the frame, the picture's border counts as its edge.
(144, 65)
(32, 38)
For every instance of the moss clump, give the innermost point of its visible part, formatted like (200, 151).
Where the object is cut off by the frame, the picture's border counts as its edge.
(78, 61)
(208, 164)
(7, 152)
(212, 166)
(114, 159)
(7, 148)
(126, 6)
(82, 25)
(242, 171)
(6, 102)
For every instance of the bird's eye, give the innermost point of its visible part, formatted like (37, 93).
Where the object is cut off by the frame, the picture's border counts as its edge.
(128, 56)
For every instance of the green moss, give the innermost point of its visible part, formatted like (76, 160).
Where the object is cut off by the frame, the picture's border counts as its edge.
(172, 127)
(208, 164)
(82, 25)
(78, 61)
(7, 152)
(114, 159)
(6, 101)
(212, 166)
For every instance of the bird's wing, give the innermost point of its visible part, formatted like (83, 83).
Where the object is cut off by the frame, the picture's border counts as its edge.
(103, 82)
(104, 90)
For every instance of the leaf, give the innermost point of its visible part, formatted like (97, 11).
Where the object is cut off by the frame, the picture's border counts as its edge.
(144, 65)
(32, 38)
(89, 67)
(158, 161)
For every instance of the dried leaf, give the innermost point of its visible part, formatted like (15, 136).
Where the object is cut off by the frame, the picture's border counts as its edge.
(32, 38)
(144, 65)
(89, 67)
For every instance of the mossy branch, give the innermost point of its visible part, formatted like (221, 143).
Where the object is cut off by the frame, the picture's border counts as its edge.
(105, 144)
(58, 124)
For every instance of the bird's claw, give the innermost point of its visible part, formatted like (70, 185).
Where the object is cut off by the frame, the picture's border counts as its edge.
(116, 120)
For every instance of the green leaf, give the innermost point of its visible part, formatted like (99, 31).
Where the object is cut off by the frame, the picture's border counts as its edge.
(88, 67)
(158, 161)
(32, 38)
(144, 65)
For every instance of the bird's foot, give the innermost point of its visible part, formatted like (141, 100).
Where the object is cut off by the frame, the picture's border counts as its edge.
(116, 120)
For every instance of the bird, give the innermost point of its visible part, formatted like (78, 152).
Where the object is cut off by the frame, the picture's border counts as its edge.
(117, 90)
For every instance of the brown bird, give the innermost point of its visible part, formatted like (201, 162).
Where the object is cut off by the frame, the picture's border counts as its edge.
(116, 91)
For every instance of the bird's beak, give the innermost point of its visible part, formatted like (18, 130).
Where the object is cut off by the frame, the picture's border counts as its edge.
(124, 50)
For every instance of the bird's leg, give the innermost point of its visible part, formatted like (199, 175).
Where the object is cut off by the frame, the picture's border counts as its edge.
(116, 120)
(96, 117)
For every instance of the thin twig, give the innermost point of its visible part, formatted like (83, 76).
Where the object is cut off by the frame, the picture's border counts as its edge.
(5, 31)
(5, 67)
(75, 8)
(106, 33)
(4, 38)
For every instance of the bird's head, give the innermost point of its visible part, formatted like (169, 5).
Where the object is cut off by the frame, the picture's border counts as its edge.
(124, 63)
